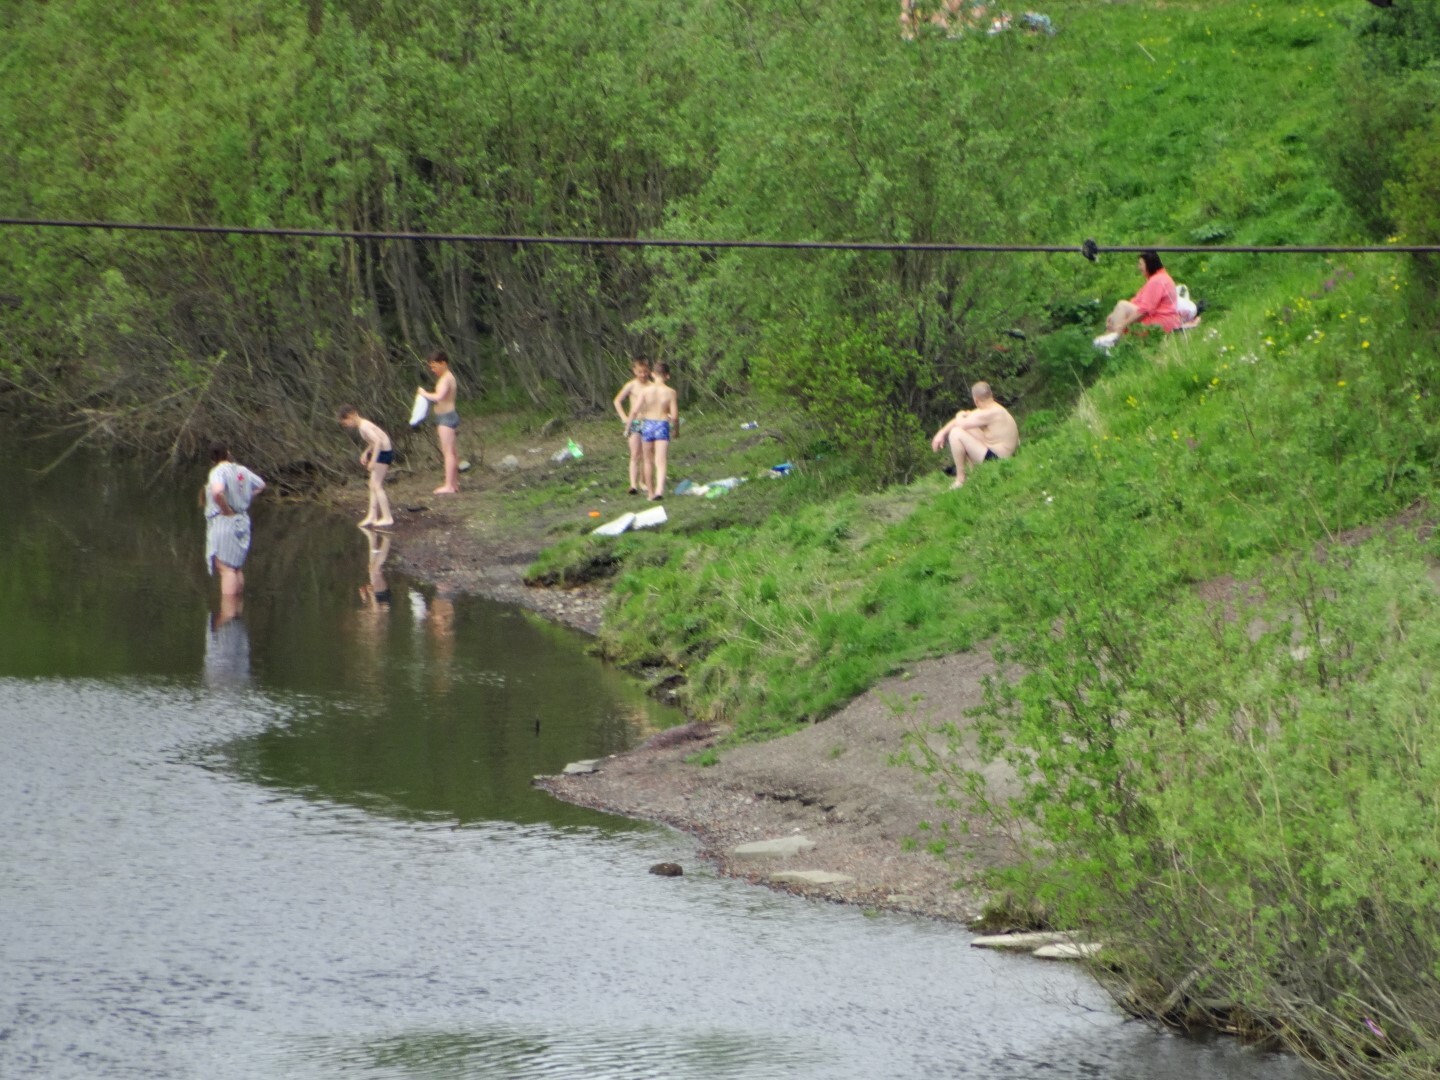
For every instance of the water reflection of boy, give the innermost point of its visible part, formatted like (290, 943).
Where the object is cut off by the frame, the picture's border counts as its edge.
(372, 618)
(376, 590)
(440, 622)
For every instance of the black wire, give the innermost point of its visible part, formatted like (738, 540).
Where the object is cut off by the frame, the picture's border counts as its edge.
(1089, 249)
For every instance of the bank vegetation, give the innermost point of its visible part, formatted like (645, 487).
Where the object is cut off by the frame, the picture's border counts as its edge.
(1211, 559)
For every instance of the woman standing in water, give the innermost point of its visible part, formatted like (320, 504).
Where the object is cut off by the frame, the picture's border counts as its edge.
(229, 491)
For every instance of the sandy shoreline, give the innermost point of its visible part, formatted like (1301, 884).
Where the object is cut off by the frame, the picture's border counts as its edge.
(841, 783)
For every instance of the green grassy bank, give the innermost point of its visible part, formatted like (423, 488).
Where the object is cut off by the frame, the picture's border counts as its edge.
(1223, 729)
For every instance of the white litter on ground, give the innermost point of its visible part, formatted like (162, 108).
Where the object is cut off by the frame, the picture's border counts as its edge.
(614, 528)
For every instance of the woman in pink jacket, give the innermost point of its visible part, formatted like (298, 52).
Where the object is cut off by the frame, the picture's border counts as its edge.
(1153, 305)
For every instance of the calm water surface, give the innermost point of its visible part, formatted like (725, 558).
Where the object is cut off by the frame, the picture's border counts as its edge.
(301, 842)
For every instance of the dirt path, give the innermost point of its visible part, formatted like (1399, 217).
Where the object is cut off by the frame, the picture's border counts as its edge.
(842, 784)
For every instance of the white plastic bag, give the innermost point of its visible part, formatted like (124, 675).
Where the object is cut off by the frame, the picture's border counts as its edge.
(1184, 305)
(419, 410)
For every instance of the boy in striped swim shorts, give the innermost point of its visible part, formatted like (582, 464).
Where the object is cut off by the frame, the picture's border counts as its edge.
(657, 407)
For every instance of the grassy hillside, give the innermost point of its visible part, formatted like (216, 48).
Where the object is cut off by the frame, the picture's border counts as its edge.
(1223, 728)
(1201, 122)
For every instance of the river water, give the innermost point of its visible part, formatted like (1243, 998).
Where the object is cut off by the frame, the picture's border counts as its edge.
(299, 841)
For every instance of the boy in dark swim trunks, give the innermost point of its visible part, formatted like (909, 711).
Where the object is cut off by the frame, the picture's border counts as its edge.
(657, 407)
(377, 457)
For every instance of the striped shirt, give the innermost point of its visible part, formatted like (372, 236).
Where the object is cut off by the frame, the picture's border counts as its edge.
(227, 537)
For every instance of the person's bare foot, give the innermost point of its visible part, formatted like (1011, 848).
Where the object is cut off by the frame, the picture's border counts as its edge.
(446, 491)
(365, 523)
(957, 484)
(389, 523)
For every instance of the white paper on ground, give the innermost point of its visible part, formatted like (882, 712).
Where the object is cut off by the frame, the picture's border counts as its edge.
(614, 528)
(420, 409)
(647, 519)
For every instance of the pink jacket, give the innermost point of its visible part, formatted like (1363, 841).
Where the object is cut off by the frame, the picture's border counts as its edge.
(1156, 301)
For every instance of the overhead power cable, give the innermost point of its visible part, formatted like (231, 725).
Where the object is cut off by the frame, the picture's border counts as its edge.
(1089, 249)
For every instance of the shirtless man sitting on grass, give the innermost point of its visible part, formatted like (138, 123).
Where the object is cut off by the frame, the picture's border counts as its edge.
(984, 433)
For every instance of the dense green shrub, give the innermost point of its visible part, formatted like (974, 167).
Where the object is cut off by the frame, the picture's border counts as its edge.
(1237, 794)
(377, 116)
(860, 391)
(1383, 132)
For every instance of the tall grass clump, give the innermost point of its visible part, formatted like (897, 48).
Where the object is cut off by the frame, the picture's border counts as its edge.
(1225, 766)
(1237, 795)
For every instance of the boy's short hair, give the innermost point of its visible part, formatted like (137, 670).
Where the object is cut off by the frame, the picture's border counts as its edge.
(438, 357)
(661, 368)
(346, 411)
(218, 452)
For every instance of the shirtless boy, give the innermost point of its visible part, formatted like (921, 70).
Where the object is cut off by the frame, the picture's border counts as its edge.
(657, 407)
(985, 433)
(640, 369)
(377, 457)
(447, 420)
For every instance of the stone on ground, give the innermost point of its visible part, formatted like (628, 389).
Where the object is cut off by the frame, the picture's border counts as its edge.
(1028, 942)
(781, 848)
(580, 768)
(1066, 950)
(810, 877)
